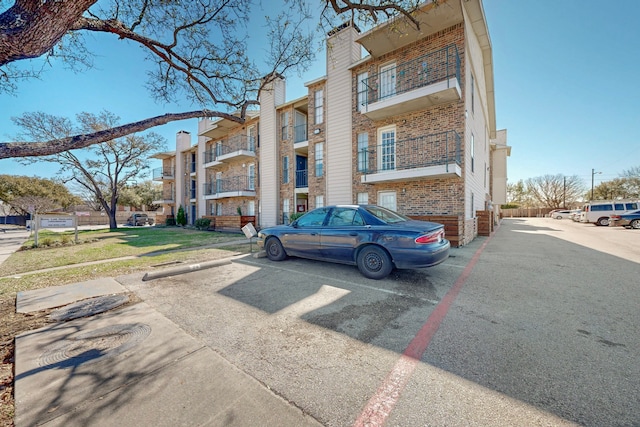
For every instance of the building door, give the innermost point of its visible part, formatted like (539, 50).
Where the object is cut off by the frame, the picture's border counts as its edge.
(387, 80)
(387, 199)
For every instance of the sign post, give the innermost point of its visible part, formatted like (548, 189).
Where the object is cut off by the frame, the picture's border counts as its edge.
(56, 221)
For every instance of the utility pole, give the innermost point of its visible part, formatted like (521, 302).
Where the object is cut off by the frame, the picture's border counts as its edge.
(593, 172)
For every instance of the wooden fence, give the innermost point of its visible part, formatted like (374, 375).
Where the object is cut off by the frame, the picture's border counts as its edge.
(524, 212)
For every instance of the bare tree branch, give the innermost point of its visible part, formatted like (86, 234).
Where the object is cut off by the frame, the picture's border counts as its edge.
(54, 146)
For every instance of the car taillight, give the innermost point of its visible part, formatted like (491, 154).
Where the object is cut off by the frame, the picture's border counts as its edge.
(435, 237)
(614, 217)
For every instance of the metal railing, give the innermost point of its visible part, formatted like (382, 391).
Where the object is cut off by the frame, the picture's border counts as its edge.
(430, 150)
(163, 172)
(230, 145)
(431, 68)
(302, 178)
(168, 195)
(233, 184)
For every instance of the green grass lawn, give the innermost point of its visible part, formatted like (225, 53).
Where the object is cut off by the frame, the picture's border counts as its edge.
(149, 246)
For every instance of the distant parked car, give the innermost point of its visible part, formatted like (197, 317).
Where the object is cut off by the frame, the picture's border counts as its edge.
(629, 219)
(374, 238)
(561, 214)
(576, 215)
(139, 219)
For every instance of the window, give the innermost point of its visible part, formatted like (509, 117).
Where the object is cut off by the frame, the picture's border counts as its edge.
(285, 211)
(251, 176)
(387, 148)
(315, 218)
(601, 208)
(218, 149)
(319, 201)
(218, 186)
(285, 170)
(363, 198)
(362, 90)
(473, 153)
(251, 208)
(319, 159)
(387, 199)
(341, 217)
(319, 106)
(472, 94)
(363, 145)
(284, 125)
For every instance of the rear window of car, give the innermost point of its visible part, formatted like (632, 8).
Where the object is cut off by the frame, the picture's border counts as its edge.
(390, 217)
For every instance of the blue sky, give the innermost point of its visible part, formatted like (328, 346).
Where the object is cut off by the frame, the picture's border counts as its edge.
(565, 73)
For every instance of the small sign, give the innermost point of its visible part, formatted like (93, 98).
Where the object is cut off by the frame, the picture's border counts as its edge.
(249, 230)
(57, 222)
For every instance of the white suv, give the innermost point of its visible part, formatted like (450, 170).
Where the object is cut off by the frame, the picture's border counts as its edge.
(598, 212)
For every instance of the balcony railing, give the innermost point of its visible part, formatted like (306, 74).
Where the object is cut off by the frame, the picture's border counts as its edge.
(233, 144)
(441, 149)
(167, 196)
(302, 178)
(163, 173)
(423, 71)
(230, 185)
(300, 133)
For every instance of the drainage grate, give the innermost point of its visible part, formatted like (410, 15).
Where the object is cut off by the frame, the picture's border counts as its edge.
(95, 345)
(88, 307)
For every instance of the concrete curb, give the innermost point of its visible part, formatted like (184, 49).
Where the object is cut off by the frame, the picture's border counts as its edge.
(185, 269)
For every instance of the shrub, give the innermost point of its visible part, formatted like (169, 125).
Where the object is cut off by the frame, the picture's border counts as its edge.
(202, 223)
(295, 216)
(239, 210)
(170, 221)
(181, 219)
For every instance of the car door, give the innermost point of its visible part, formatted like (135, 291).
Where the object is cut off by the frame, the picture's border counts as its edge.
(303, 237)
(342, 234)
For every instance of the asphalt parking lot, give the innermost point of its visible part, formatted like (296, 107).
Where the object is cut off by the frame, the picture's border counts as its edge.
(532, 326)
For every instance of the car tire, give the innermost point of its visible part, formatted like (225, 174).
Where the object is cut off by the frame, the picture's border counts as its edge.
(274, 249)
(635, 224)
(374, 262)
(559, 217)
(604, 221)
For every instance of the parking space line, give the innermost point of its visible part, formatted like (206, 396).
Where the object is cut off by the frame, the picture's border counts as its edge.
(379, 407)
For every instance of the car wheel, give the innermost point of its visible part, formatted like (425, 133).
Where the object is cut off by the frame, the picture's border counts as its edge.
(604, 221)
(274, 249)
(635, 224)
(374, 262)
(559, 217)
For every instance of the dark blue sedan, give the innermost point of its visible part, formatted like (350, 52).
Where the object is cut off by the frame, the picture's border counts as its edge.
(374, 238)
(630, 219)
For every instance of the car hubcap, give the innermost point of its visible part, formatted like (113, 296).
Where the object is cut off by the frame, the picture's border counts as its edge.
(273, 250)
(373, 262)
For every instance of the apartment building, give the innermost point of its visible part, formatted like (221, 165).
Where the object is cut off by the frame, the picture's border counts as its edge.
(409, 125)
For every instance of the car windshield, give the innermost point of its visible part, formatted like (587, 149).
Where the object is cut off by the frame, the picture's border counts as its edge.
(390, 217)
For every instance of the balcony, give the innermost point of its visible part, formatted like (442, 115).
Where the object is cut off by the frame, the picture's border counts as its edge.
(431, 156)
(237, 186)
(162, 173)
(168, 197)
(430, 80)
(302, 180)
(235, 147)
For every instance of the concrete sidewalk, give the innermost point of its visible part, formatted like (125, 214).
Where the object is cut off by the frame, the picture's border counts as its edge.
(11, 240)
(131, 366)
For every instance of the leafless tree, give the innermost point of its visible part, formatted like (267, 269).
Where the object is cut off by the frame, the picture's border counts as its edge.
(555, 191)
(101, 170)
(198, 49)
